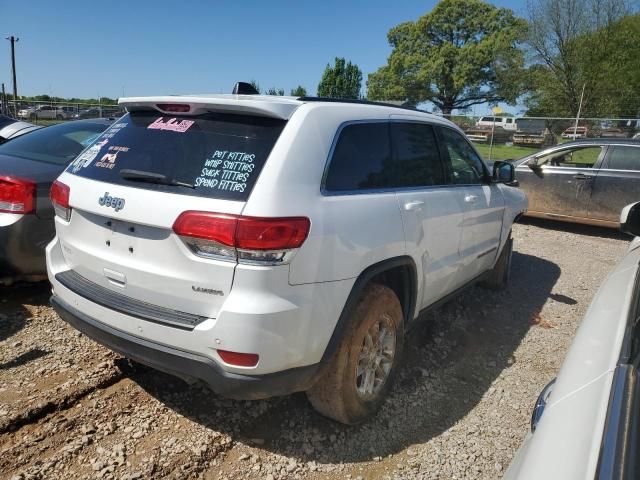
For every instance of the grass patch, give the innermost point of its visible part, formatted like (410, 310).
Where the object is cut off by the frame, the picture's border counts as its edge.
(504, 152)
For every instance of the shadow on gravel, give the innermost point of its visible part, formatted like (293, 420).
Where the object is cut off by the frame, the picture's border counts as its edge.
(577, 228)
(13, 315)
(451, 360)
(29, 356)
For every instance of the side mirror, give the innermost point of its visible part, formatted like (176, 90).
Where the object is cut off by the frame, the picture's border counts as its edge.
(504, 172)
(630, 219)
(533, 164)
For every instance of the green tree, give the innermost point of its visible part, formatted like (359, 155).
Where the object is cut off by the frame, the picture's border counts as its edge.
(343, 80)
(255, 85)
(462, 53)
(578, 45)
(299, 91)
(275, 91)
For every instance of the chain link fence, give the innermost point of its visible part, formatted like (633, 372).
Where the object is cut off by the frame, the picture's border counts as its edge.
(46, 112)
(505, 137)
(497, 137)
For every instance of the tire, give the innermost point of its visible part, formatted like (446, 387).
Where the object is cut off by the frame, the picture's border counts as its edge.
(59, 117)
(341, 393)
(498, 277)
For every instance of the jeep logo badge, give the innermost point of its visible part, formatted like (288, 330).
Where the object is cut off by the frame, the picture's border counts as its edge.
(113, 202)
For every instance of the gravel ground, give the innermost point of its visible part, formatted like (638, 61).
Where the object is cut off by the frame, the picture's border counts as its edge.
(71, 409)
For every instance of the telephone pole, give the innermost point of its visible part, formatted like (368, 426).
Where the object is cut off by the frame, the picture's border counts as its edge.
(13, 41)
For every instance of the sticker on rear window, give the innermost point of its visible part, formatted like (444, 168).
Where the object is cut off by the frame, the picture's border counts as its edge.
(172, 124)
(108, 160)
(227, 171)
(88, 156)
(115, 128)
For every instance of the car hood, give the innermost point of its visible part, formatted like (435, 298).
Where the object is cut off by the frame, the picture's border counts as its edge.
(40, 172)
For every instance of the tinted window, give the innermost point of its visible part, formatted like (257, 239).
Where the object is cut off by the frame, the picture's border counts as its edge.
(624, 158)
(4, 121)
(466, 166)
(416, 157)
(359, 158)
(58, 144)
(221, 155)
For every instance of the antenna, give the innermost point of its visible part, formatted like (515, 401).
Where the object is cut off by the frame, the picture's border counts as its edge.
(244, 88)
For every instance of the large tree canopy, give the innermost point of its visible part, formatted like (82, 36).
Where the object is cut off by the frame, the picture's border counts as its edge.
(462, 53)
(343, 80)
(590, 45)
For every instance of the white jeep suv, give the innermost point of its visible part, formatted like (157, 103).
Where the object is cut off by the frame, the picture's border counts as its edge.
(267, 245)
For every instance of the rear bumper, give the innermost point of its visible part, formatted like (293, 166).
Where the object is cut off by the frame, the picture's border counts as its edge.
(22, 248)
(186, 364)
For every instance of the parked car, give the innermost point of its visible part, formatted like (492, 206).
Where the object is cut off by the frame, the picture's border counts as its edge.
(26, 112)
(43, 112)
(507, 123)
(484, 134)
(103, 112)
(613, 133)
(533, 132)
(12, 128)
(586, 181)
(586, 423)
(28, 166)
(68, 112)
(210, 237)
(575, 133)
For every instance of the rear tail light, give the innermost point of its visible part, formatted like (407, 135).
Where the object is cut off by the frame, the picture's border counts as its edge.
(248, 239)
(59, 195)
(239, 359)
(17, 195)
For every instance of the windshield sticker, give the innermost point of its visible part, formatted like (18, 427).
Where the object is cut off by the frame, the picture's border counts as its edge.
(228, 171)
(88, 156)
(172, 124)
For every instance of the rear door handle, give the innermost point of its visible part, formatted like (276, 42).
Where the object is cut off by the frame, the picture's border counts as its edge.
(582, 176)
(415, 205)
(470, 198)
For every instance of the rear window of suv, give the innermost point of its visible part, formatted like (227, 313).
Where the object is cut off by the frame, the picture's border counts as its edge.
(218, 155)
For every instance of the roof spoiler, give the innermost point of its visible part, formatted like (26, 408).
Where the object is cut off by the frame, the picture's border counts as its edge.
(244, 88)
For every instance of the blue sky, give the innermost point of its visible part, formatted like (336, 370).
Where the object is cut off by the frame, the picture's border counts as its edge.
(85, 48)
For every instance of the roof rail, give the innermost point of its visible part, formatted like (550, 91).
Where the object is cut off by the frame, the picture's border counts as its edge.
(359, 102)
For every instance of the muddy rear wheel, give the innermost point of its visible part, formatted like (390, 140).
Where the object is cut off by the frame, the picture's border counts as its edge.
(362, 370)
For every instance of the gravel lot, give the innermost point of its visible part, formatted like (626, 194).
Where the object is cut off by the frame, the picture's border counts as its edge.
(71, 409)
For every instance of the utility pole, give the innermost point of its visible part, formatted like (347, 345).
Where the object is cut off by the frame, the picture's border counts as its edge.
(575, 129)
(13, 41)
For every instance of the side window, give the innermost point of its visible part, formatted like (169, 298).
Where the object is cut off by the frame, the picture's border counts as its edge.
(359, 157)
(416, 159)
(624, 158)
(574, 158)
(466, 166)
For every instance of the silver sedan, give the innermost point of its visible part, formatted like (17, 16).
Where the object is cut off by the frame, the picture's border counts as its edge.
(586, 181)
(586, 424)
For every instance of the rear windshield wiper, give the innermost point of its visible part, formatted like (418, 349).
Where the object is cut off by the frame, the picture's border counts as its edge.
(151, 177)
